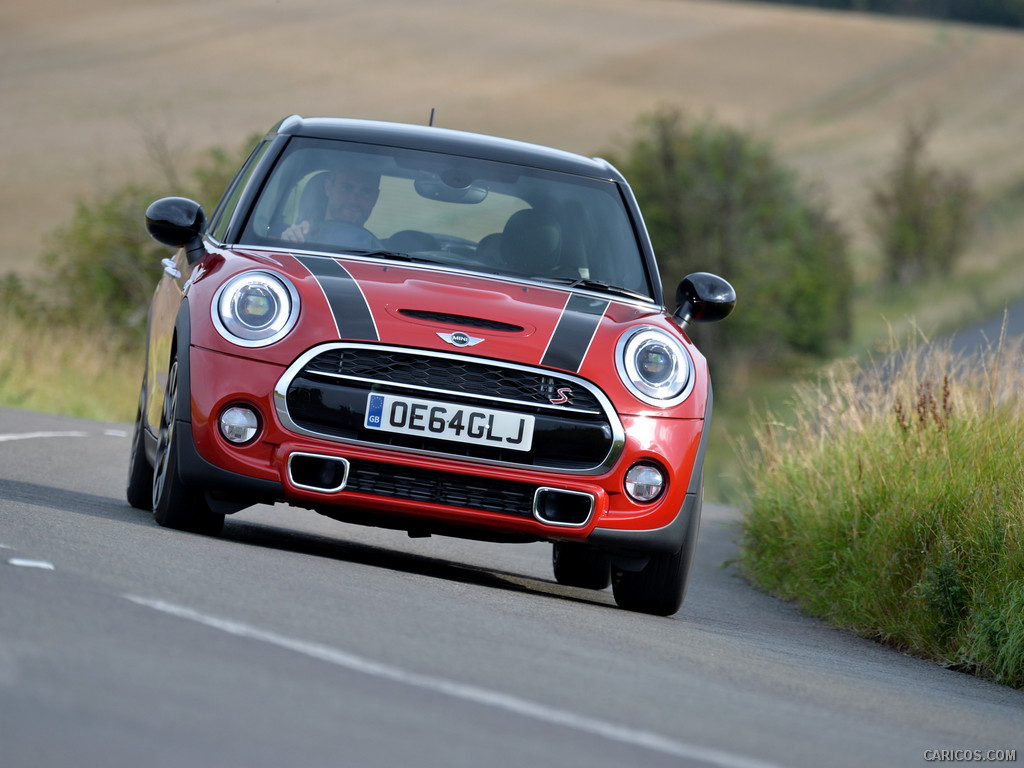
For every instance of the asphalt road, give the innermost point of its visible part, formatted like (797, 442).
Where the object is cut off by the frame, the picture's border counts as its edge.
(293, 640)
(987, 334)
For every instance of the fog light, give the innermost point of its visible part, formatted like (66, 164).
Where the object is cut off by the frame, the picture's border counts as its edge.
(239, 424)
(644, 482)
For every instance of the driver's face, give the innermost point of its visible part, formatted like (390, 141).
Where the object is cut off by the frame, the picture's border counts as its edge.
(351, 195)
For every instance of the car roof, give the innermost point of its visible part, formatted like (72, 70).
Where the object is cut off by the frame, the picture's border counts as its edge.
(434, 139)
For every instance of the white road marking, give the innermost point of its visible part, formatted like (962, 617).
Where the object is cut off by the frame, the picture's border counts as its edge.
(23, 562)
(34, 435)
(470, 693)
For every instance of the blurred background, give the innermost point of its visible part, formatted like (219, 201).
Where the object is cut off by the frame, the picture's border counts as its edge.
(88, 86)
(846, 121)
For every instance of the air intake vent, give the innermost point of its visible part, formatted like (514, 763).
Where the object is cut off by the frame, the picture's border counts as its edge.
(446, 318)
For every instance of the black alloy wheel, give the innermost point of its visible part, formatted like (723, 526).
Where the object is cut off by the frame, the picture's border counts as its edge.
(176, 505)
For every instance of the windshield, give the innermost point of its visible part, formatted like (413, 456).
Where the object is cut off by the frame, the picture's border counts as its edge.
(474, 214)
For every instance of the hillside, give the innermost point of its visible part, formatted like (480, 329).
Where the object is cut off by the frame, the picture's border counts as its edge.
(88, 87)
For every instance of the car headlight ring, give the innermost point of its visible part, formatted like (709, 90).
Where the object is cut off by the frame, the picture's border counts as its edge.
(255, 308)
(654, 366)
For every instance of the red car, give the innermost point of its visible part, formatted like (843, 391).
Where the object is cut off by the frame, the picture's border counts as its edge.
(431, 331)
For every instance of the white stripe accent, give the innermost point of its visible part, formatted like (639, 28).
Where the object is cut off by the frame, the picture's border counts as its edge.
(554, 330)
(590, 341)
(597, 327)
(320, 285)
(366, 301)
(23, 562)
(473, 694)
(323, 293)
(34, 435)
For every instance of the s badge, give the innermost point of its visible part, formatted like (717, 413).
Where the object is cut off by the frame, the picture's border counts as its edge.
(564, 393)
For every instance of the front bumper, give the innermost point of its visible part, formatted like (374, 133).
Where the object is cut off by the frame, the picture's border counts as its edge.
(420, 491)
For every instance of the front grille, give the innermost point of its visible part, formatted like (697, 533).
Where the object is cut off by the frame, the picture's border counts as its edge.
(446, 374)
(325, 394)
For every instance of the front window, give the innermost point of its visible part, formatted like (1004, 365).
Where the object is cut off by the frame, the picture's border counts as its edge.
(472, 214)
(221, 215)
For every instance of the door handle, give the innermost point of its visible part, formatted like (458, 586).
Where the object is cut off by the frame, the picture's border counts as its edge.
(170, 268)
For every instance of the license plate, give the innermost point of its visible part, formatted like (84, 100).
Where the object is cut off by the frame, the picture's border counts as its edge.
(444, 421)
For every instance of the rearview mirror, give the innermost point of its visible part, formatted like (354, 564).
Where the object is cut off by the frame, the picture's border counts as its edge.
(451, 186)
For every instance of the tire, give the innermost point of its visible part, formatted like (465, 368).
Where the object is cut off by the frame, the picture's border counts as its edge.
(658, 589)
(140, 474)
(577, 565)
(176, 505)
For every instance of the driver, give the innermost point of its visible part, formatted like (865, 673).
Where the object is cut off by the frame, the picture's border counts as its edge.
(351, 195)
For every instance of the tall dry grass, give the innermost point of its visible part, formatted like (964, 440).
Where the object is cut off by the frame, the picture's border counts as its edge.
(892, 504)
(75, 370)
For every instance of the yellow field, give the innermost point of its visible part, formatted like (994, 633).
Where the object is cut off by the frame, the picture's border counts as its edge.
(88, 86)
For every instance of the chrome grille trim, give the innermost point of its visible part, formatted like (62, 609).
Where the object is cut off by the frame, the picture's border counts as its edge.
(607, 411)
(438, 391)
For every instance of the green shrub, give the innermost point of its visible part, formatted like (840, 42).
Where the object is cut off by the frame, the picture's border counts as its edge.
(893, 505)
(715, 199)
(103, 265)
(922, 216)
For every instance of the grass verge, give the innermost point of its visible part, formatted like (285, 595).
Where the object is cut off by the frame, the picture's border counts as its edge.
(892, 505)
(75, 370)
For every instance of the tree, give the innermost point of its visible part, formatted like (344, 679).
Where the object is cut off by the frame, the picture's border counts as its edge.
(103, 265)
(920, 214)
(715, 199)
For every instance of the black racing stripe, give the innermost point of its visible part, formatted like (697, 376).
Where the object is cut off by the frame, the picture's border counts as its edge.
(574, 332)
(351, 312)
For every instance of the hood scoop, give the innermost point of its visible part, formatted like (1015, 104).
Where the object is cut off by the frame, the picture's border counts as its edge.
(447, 318)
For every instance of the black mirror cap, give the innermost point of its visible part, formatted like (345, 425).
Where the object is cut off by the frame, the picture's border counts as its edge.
(176, 222)
(704, 298)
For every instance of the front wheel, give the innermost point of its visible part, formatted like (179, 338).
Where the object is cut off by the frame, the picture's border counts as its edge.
(660, 586)
(176, 505)
(657, 589)
(577, 565)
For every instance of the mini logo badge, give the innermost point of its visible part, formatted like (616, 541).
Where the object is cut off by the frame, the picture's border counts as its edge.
(460, 339)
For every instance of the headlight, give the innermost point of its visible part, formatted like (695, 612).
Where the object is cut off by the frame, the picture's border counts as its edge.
(654, 366)
(255, 308)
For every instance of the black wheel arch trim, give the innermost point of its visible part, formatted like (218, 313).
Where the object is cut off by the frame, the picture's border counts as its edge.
(193, 469)
(181, 346)
(672, 537)
(181, 340)
(226, 491)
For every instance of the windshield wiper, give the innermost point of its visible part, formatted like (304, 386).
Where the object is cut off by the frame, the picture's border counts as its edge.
(393, 255)
(596, 285)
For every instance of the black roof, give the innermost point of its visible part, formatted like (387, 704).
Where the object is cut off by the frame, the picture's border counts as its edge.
(434, 139)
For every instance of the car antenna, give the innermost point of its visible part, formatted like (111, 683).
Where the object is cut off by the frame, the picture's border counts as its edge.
(431, 123)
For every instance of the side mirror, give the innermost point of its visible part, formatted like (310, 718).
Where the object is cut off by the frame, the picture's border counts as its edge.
(703, 298)
(179, 223)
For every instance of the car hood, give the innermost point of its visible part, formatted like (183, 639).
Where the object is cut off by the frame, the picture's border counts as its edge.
(520, 321)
